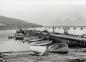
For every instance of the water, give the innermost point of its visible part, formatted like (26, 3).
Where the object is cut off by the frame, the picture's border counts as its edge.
(7, 45)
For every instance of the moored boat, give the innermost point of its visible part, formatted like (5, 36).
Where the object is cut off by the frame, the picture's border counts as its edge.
(32, 38)
(39, 50)
(1, 58)
(42, 42)
(19, 36)
(59, 48)
(10, 37)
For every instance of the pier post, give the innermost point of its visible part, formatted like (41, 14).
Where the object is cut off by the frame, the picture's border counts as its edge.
(66, 30)
(53, 29)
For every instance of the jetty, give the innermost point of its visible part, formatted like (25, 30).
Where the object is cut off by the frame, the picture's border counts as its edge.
(71, 40)
(74, 36)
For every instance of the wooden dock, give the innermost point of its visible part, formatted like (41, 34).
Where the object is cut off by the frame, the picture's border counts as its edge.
(71, 40)
(69, 37)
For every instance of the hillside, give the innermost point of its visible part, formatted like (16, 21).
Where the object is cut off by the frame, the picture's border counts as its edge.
(12, 23)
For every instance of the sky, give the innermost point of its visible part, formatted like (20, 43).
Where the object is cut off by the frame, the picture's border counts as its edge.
(46, 12)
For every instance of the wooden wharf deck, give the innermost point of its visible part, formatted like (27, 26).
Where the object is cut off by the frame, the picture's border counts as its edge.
(71, 40)
(69, 37)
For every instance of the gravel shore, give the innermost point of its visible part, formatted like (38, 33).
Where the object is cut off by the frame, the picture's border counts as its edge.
(74, 55)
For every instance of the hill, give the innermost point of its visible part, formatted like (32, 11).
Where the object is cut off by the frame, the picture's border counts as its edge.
(12, 23)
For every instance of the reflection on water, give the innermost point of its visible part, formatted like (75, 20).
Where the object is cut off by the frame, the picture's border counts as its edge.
(11, 44)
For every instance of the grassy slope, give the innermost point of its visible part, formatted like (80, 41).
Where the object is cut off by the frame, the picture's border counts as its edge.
(10, 23)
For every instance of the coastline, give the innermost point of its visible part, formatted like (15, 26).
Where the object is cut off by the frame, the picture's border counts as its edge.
(26, 56)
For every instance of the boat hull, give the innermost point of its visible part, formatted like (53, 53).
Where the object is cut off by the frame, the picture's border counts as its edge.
(39, 50)
(59, 48)
(32, 39)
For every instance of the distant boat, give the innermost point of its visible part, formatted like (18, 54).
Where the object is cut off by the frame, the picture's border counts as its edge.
(39, 50)
(10, 37)
(19, 36)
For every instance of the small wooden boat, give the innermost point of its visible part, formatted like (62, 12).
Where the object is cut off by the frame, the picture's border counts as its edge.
(19, 36)
(10, 37)
(32, 39)
(39, 50)
(1, 58)
(58, 48)
(43, 42)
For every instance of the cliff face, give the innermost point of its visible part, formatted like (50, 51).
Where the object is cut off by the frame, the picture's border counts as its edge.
(12, 23)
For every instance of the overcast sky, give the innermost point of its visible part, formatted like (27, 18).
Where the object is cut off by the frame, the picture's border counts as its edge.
(46, 12)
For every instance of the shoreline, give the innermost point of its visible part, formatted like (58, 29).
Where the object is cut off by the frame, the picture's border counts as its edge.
(26, 56)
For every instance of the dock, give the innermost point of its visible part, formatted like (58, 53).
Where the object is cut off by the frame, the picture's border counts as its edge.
(71, 40)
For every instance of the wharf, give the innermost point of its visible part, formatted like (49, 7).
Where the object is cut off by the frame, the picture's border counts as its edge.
(71, 40)
(65, 36)
(69, 37)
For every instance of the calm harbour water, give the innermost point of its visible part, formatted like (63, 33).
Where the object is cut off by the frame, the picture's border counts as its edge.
(7, 45)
